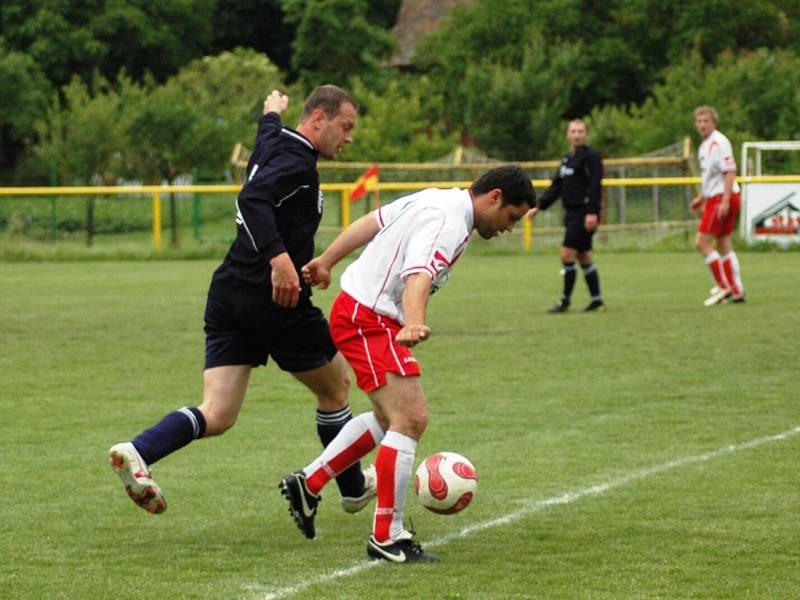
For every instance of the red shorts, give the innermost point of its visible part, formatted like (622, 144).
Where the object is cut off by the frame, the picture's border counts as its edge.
(714, 226)
(367, 341)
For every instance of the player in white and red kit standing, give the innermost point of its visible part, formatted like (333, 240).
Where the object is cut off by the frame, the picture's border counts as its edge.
(720, 192)
(412, 245)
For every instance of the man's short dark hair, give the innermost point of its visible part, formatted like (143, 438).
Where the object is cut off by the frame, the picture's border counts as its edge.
(512, 181)
(329, 98)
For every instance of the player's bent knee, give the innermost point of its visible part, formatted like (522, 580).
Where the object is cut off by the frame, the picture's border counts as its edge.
(417, 422)
(217, 422)
(335, 398)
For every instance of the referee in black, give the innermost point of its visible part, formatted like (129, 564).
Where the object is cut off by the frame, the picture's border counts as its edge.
(578, 182)
(258, 304)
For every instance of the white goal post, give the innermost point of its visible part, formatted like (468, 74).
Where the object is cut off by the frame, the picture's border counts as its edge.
(771, 210)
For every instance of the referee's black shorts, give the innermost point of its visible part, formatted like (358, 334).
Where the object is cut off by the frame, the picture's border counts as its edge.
(576, 236)
(240, 332)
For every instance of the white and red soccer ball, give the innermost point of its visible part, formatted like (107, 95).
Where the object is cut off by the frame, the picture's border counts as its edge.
(445, 483)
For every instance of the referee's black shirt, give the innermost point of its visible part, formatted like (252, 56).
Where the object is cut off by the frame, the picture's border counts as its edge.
(577, 182)
(278, 210)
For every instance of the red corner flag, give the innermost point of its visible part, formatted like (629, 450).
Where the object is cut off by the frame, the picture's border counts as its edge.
(365, 183)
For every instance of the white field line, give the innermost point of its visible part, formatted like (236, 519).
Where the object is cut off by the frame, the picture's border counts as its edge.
(265, 592)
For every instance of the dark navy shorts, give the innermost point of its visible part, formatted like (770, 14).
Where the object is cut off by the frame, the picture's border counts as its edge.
(576, 236)
(240, 333)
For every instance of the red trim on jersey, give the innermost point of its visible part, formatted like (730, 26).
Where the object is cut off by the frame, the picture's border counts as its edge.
(417, 269)
(380, 218)
(439, 256)
(368, 342)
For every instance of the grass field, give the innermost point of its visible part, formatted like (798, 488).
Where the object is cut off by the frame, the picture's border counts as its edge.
(648, 452)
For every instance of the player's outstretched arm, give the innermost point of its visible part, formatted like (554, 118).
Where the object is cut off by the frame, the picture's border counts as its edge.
(318, 271)
(415, 303)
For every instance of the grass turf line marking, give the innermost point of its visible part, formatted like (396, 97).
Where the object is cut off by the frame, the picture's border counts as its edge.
(527, 509)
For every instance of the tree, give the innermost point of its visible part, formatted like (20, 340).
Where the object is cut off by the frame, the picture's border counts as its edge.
(24, 99)
(622, 46)
(83, 135)
(755, 93)
(257, 24)
(83, 36)
(227, 91)
(335, 41)
(399, 123)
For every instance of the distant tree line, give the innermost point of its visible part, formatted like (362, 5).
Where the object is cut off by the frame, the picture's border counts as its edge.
(97, 90)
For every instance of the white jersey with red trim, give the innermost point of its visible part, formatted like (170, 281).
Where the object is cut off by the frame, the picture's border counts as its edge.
(716, 159)
(424, 232)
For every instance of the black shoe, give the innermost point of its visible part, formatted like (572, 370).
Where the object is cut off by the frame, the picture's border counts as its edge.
(595, 305)
(302, 503)
(559, 307)
(398, 551)
(738, 299)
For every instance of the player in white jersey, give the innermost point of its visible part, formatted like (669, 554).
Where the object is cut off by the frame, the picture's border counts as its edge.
(411, 247)
(720, 194)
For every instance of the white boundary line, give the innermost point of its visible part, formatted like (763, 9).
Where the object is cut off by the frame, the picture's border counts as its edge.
(527, 509)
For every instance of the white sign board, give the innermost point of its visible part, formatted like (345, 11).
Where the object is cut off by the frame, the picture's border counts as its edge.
(772, 212)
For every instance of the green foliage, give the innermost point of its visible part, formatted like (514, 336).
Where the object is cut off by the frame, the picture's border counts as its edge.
(226, 93)
(756, 95)
(509, 110)
(256, 24)
(25, 93)
(155, 132)
(618, 49)
(335, 41)
(503, 74)
(399, 123)
(83, 36)
(84, 135)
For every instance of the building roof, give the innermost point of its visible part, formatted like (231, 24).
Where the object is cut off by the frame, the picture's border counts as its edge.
(416, 19)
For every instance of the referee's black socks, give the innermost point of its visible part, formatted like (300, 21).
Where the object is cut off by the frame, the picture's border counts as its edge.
(569, 272)
(592, 280)
(171, 433)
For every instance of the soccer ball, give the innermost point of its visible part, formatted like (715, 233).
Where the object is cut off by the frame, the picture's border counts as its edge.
(445, 483)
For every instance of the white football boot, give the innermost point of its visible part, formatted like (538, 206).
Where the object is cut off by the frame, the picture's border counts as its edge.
(718, 297)
(353, 505)
(136, 478)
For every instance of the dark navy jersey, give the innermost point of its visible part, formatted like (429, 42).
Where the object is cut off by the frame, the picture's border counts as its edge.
(578, 182)
(278, 210)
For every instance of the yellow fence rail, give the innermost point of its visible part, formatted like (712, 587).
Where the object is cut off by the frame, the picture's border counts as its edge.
(344, 189)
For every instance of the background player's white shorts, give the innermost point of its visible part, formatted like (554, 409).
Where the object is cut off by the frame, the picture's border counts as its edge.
(367, 341)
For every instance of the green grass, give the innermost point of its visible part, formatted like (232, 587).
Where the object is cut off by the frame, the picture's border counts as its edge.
(93, 352)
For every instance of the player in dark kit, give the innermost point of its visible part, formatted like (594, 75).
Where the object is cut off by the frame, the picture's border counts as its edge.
(578, 182)
(258, 305)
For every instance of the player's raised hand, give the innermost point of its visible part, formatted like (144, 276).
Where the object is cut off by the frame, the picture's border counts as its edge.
(276, 102)
(531, 214)
(285, 282)
(411, 335)
(316, 273)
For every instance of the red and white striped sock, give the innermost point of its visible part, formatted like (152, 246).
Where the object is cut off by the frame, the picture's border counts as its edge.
(359, 435)
(717, 272)
(731, 264)
(394, 464)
